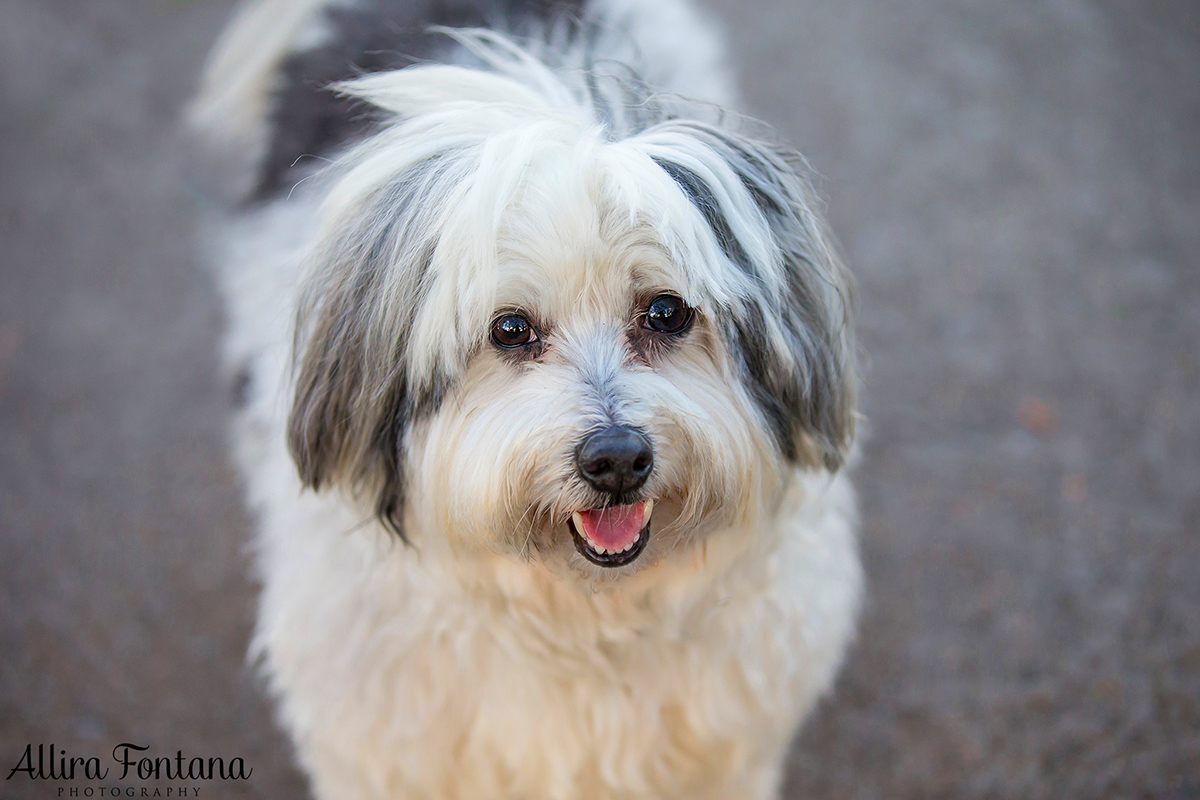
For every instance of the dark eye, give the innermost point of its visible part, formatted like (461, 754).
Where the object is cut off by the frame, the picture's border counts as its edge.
(668, 314)
(512, 330)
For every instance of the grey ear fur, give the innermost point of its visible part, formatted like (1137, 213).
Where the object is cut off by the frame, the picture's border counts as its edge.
(807, 395)
(353, 404)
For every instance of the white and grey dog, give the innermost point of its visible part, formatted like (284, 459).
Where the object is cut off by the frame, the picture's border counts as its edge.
(548, 383)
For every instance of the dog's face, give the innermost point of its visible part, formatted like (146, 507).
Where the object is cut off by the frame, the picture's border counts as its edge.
(523, 336)
(597, 408)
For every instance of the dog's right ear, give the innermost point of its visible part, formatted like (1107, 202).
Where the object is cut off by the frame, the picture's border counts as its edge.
(336, 428)
(347, 417)
(354, 400)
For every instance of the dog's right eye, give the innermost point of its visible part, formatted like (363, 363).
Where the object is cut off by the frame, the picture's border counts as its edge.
(512, 330)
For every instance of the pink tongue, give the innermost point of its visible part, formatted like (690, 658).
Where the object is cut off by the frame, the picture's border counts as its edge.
(613, 528)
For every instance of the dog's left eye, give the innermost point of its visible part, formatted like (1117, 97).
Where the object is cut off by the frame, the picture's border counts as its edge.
(668, 313)
(512, 330)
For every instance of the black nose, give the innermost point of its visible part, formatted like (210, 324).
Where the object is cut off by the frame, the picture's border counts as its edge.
(616, 460)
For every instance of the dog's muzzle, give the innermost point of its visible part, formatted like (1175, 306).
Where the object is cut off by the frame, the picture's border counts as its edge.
(615, 461)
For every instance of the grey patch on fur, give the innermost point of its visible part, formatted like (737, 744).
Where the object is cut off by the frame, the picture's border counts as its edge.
(704, 200)
(605, 403)
(309, 120)
(353, 404)
(239, 390)
(807, 398)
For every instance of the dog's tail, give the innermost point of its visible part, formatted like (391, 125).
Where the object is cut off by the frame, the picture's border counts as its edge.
(266, 97)
(233, 102)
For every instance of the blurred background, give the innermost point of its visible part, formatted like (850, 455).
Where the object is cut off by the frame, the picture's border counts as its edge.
(1017, 187)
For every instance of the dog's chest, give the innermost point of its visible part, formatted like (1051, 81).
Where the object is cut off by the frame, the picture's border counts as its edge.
(543, 717)
(452, 700)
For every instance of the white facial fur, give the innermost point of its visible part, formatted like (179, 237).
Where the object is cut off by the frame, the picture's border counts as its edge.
(494, 466)
(467, 206)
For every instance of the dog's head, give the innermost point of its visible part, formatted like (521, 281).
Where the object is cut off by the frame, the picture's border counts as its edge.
(559, 326)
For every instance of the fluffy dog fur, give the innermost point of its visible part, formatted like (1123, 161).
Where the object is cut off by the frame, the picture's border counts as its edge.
(428, 619)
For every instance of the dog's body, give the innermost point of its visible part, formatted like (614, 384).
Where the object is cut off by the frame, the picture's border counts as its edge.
(465, 609)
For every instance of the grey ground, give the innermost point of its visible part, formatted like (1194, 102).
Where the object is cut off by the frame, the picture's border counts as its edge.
(1017, 186)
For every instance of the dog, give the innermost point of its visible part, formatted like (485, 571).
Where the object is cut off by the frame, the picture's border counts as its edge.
(547, 381)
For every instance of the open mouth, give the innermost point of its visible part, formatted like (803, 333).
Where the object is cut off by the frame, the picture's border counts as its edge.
(613, 536)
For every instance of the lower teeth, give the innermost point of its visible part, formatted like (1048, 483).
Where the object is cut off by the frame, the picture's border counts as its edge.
(606, 552)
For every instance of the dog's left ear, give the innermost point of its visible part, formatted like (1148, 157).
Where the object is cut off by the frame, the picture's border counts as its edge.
(790, 331)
